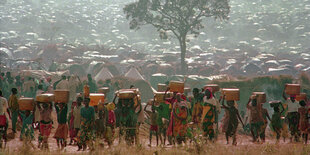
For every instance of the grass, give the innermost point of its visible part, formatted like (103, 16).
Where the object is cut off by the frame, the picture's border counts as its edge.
(209, 148)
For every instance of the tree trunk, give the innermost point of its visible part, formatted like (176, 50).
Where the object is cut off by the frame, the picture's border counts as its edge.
(182, 41)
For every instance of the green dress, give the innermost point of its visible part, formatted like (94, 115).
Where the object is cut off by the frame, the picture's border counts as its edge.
(27, 129)
(209, 120)
(87, 123)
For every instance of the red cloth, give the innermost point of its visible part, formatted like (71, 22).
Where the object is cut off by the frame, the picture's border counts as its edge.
(2, 120)
(111, 119)
(61, 131)
(170, 100)
(170, 127)
(154, 128)
(45, 129)
(183, 97)
(72, 131)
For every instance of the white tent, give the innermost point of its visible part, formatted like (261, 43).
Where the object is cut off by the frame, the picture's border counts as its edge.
(103, 75)
(134, 74)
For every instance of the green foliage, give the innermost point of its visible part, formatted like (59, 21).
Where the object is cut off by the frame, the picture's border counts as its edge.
(178, 16)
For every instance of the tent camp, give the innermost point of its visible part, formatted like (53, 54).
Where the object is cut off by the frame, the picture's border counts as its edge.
(39, 74)
(133, 73)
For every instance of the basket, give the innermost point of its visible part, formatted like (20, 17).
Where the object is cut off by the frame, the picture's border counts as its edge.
(104, 90)
(159, 96)
(301, 96)
(126, 94)
(95, 98)
(137, 100)
(61, 96)
(161, 87)
(26, 104)
(231, 94)
(45, 98)
(176, 86)
(260, 97)
(135, 90)
(187, 90)
(214, 87)
(292, 89)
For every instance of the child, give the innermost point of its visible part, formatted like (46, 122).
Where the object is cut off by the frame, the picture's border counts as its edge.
(71, 125)
(256, 119)
(276, 121)
(163, 116)
(61, 133)
(154, 124)
(110, 123)
(232, 121)
(303, 120)
(27, 133)
(265, 116)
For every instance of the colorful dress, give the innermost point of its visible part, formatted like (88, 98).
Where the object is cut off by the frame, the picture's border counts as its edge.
(45, 123)
(209, 120)
(209, 116)
(197, 111)
(179, 119)
(87, 123)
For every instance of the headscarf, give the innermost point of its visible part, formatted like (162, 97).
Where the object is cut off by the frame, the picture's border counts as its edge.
(210, 90)
(110, 106)
(183, 97)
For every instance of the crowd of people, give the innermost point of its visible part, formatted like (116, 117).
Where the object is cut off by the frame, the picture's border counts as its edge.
(177, 118)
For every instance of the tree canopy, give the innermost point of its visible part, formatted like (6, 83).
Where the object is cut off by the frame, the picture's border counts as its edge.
(180, 17)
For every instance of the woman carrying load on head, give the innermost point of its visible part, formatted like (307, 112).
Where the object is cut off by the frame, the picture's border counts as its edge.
(86, 135)
(209, 115)
(45, 123)
(292, 115)
(171, 101)
(179, 119)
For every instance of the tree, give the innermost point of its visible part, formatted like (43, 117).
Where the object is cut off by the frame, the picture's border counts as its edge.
(177, 17)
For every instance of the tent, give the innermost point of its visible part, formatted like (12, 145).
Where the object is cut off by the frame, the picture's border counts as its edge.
(77, 69)
(103, 75)
(133, 73)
